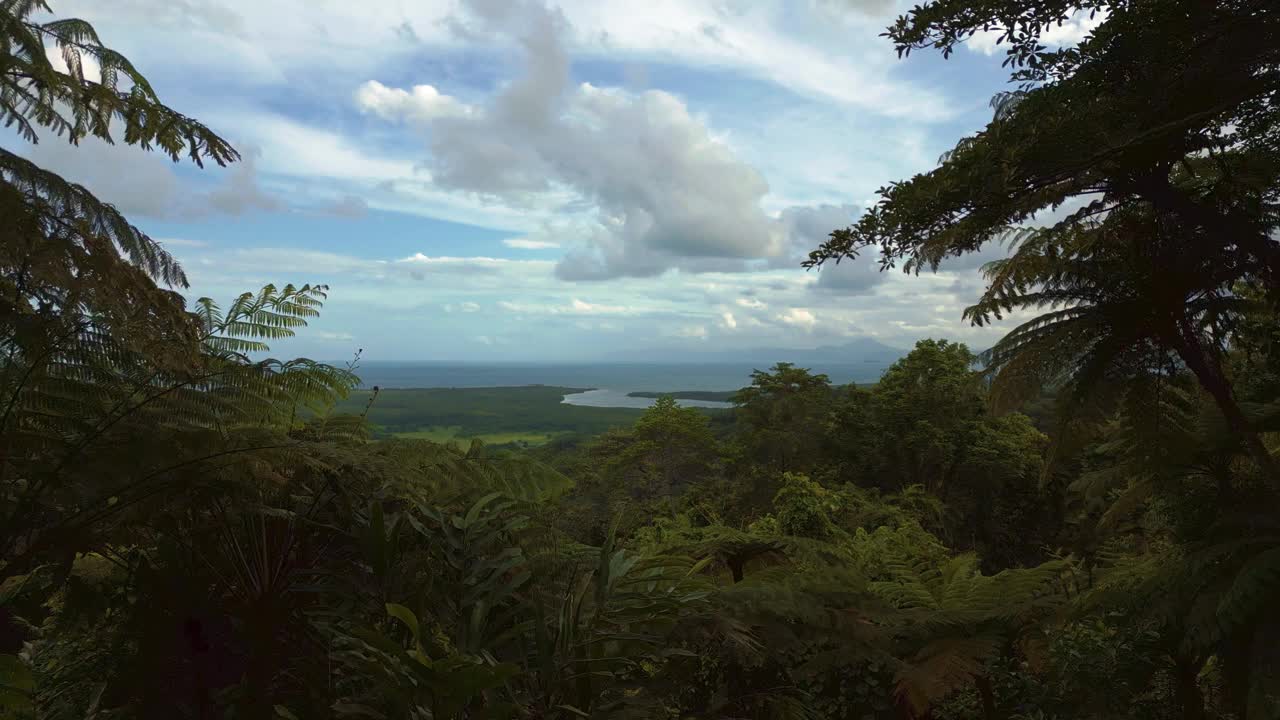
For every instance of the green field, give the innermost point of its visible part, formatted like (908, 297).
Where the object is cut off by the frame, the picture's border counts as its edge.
(458, 434)
(530, 414)
(711, 395)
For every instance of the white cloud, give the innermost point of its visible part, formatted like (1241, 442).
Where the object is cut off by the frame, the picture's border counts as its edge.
(292, 148)
(819, 49)
(822, 60)
(419, 266)
(596, 308)
(985, 42)
(335, 336)
(666, 192)
(396, 316)
(799, 317)
(529, 244)
(421, 259)
(1071, 32)
(1075, 30)
(89, 66)
(641, 186)
(821, 52)
(574, 306)
(422, 104)
(348, 166)
(182, 242)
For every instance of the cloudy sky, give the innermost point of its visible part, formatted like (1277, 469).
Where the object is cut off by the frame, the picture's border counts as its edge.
(543, 180)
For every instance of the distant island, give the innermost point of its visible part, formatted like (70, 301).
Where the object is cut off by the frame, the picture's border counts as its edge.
(712, 395)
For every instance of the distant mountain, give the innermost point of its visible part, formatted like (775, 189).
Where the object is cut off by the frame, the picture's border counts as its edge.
(861, 351)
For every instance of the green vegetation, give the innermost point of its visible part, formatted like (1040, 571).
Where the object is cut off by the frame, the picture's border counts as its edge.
(712, 395)
(485, 413)
(189, 531)
(457, 434)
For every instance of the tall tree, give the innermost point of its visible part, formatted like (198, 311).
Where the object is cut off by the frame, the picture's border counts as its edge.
(87, 338)
(783, 412)
(1158, 132)
(1123, 302)
(922, 407)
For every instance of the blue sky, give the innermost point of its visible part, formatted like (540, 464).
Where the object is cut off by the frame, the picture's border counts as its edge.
(531, 180)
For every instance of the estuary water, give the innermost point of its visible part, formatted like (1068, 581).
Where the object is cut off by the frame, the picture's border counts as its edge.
(625, 377)
(610, 382)
(618, 398)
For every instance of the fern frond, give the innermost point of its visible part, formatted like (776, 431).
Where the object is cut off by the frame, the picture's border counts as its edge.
(120, 95)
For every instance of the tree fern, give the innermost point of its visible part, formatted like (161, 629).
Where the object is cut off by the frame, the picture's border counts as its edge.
(1120, 305)
(955, 618)
(33, 93)
(119, 103)
(83, 386)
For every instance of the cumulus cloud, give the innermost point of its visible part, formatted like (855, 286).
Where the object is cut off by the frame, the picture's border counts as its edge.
(667, 194)
(728, 321)
(530, 244)
(799, 317)
(851, 276)
(808, 227)
(421, 104)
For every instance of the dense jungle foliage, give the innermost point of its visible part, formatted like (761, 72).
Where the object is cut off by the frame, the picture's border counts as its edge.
(187, 530)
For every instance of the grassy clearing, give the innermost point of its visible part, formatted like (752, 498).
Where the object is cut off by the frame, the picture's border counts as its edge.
(456, 434)
(524, 413)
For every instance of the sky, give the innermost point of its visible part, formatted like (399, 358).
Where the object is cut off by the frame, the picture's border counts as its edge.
(532, 180)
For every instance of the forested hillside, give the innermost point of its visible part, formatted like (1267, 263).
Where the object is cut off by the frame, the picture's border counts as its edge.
(190, 528)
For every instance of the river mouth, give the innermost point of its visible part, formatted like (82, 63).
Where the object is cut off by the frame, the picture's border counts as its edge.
(607, 397)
